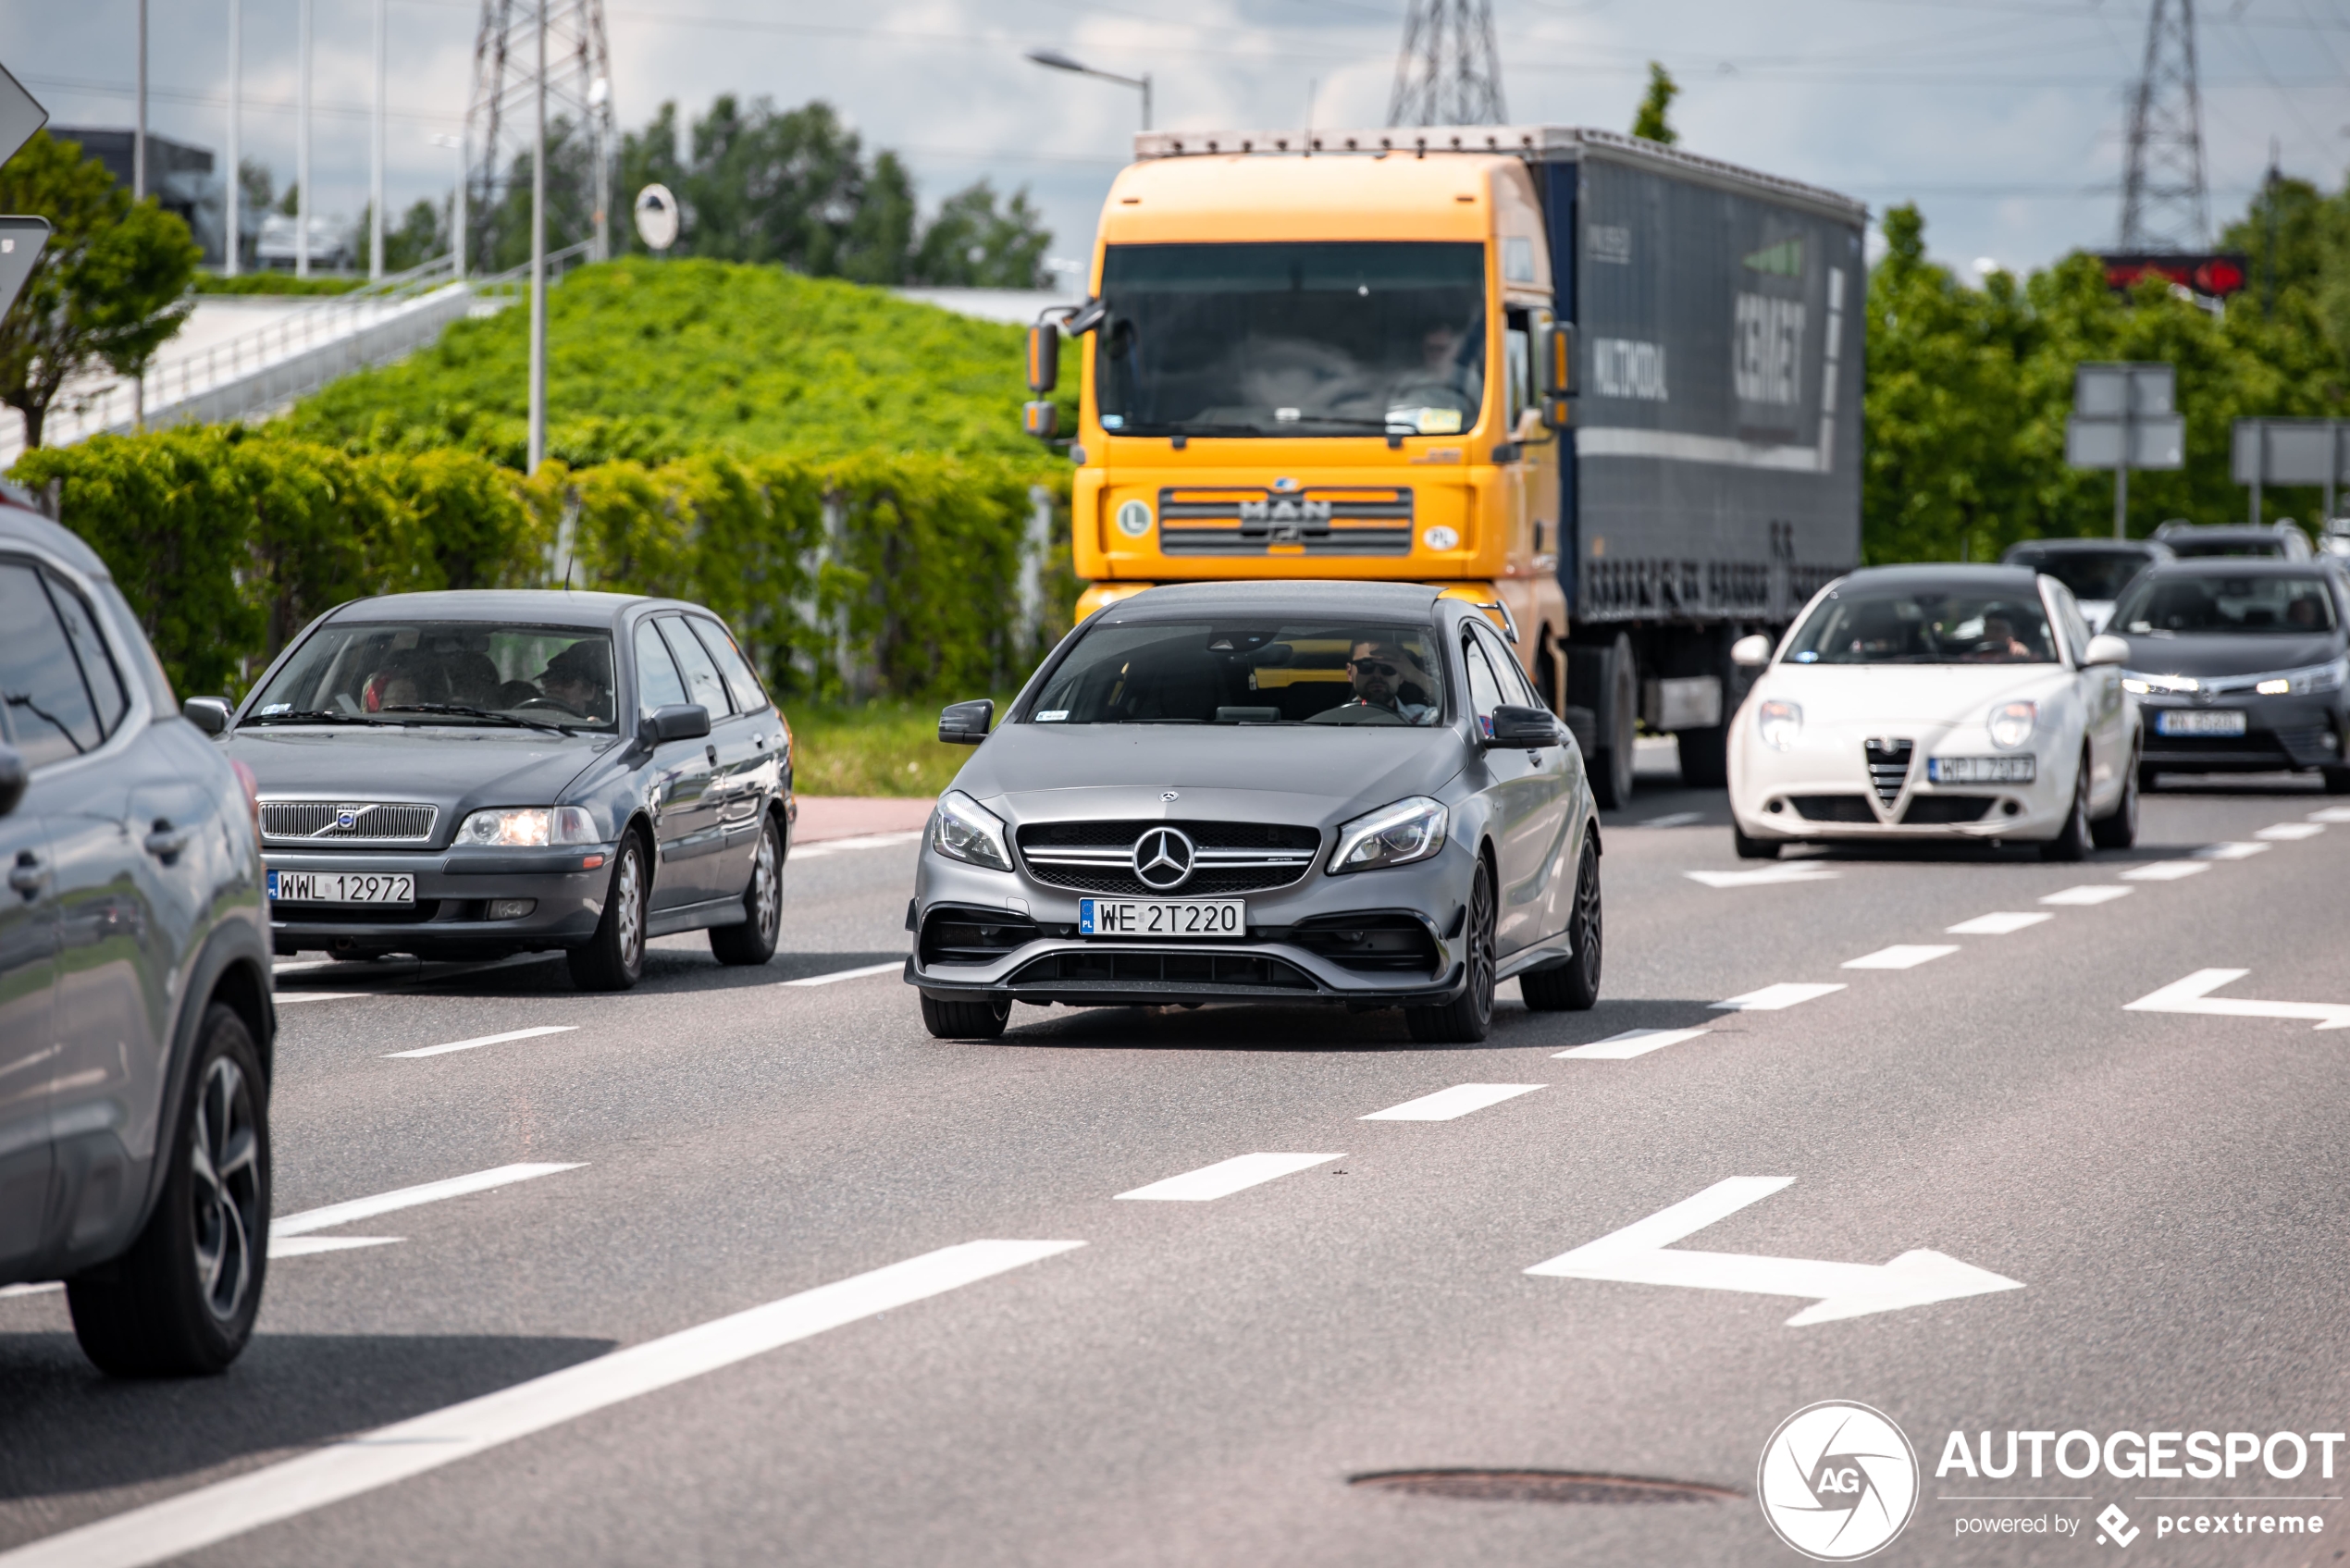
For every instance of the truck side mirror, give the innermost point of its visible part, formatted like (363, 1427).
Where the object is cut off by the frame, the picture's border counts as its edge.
(1750, 652)
(1041, 419)
(966, 723)
(1557, 350)
(1043, 357)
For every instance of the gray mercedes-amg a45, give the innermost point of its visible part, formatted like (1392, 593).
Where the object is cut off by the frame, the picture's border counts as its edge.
(1264, 792)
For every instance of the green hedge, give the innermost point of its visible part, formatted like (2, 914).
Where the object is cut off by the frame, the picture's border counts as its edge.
(874, 574)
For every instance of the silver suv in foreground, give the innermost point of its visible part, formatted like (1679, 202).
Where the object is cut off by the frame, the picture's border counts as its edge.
(1264, 792)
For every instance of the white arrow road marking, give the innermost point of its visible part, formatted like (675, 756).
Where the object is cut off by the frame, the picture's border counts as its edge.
(2166, 871)
(896, 966)
(1900, 956)
(1792, 871)
(1457, 1100)
(2192, 994)
(1625, 1046)
(389, 1454)
(2288, 832)
(2237, 851)
(1638, 1255)
(1227, 1177)
(1771, 998)
(479, 1041)
(2087, 894)
(2003, 923)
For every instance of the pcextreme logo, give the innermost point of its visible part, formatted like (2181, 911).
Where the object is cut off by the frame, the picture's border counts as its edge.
(1837, 1481)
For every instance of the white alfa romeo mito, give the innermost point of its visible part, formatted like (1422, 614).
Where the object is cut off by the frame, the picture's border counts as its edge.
(1925, 702)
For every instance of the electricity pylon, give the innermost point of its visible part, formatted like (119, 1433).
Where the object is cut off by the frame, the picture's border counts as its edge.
(1450, 72)
(500, 126)
(2164, 205)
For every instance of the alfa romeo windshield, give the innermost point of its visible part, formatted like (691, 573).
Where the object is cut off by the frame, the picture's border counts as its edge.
(1292, 339)
(1925, 626)
(2177, 604)
(1248, 673)
(444, 673)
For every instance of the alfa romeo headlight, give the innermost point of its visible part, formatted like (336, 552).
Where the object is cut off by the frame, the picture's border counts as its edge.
(1392, 836)
(961, 829)
(527, 827)
(2012, 722)
(1780, 724)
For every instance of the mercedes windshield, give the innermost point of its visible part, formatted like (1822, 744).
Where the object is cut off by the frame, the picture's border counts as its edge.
(1323, 672)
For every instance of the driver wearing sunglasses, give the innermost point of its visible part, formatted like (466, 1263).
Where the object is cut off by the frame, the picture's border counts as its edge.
(1380, 672)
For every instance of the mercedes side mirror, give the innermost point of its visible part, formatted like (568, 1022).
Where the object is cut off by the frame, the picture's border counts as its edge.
(2107, 648)
(1527, 727)
(209, 715)
(674, 720)
(13, 778)
(1750, 652)
(966, 723)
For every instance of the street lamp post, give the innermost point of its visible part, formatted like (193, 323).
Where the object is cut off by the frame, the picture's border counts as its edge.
(301, 145)
(539, 259)
(376, 164)
(1053, 59)
(456, 204)
(236, 114)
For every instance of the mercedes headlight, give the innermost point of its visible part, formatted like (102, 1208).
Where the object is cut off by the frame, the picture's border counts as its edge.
(1780, 724)
(2011, 724)
(1392, 836)
(526, 827)
(961, 829)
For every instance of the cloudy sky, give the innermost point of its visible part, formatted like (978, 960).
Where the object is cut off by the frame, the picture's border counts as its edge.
(2002, 119)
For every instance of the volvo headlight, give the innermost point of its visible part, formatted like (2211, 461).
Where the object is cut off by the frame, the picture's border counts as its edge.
(526, 827)
(961, 829)
(1392, 836)
(1780, 724)
(2011, 724)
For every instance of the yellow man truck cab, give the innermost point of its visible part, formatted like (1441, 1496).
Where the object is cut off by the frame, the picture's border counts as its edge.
(1587, 382)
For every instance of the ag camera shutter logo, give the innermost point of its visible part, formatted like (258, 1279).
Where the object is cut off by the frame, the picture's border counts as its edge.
(1837, 1481)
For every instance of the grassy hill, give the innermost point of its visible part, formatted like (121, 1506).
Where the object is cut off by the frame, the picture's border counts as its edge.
(654, 359)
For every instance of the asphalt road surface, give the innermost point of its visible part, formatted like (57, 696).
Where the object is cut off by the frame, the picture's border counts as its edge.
(753, 1271)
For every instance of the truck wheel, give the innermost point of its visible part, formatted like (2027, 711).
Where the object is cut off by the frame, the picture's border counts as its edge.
(1611, 763)
(181, 1301)
(983, 1019)
(1705, 757)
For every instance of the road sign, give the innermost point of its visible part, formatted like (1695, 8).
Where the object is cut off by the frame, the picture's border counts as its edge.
(1640, 1254)
(2160, 442)
(2124, 416)
(21, 115)
(2292, 452)
(22, 239)
(657, 217)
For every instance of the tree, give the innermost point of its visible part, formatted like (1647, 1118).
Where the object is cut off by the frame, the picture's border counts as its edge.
(1650, 124)
(111, 285)
(971, 244)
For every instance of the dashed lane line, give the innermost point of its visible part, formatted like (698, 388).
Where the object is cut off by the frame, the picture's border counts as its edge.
(1772, 998)
(1458, 1101)
(2332, 814)
(1625, 1046)
(2288, 832)
(2087, 894)
(286, 998)
(2166, 871)
(352, 1210)
(479, 1041)
(2003, 922)
(1218, 1180)
(1674, 820)
(1762, 876)
(1902, 956)
(389, 1454)
(2236, 851)
(895, 966)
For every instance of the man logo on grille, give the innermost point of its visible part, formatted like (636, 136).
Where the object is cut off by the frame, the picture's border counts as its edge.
(1163, 858)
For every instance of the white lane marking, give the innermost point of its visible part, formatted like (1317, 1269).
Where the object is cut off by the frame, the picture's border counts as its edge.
(226, 1509)
(1771, 998)
(2332, 814)
(1674, 820)
(1792, 871)
(42, 1288)
(287, 996)
(2288, 832)
(2087, 894)
(1457, 1100)
(1637, 1255)
(2192, 994)
(302, 1246)
(2166, 871)
(862, 841)
(2237, 851)
(1625, 1046)
(1227, 1177)
(355, 1209)
(2003, 922)
(1900, 956)
(479, 1041)
(895, 966)
(296, 966)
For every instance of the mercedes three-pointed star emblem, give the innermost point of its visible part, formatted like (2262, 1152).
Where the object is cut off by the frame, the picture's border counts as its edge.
(1163, 858)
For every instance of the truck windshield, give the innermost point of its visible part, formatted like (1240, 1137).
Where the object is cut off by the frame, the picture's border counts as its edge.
(1248, 673)
(1293, 338)
(1924, 627)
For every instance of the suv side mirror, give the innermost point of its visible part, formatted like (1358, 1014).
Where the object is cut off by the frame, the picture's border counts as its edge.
(1750, 652)
(13, 778)
(1529, 727)
(209, 715)
(674, 720)
(2107, 648)
(965, 723)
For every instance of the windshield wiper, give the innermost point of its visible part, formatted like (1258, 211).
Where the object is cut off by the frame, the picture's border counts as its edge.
(316, 716)
(465, 712)
(1405, 426)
